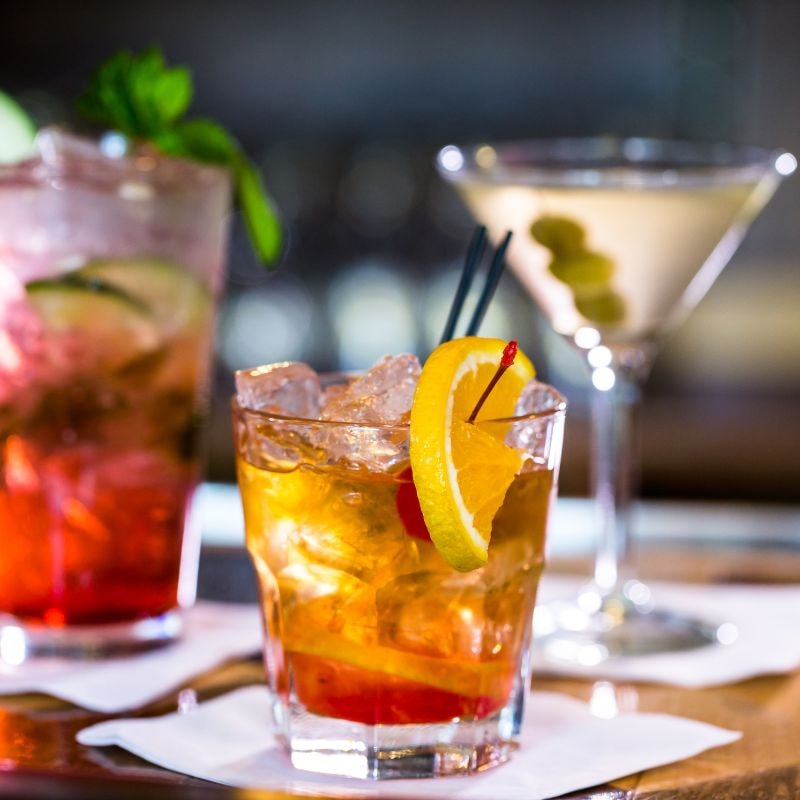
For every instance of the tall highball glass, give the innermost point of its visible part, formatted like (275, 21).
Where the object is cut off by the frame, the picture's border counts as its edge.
(110, 263)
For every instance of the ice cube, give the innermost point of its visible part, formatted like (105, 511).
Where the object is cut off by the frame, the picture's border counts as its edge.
(381, 398)
(289, 388)
(357, 543)
(534, 435)
(434, 614)
(508, 608)
(317, 598)
(534, 398)
(331, 393)
(375, 448)
(79, 205)
(24, 359)
(455, 616)
(381, 395)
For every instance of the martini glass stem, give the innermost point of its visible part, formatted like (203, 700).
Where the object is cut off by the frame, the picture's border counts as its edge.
(619, 613)
(615, 474)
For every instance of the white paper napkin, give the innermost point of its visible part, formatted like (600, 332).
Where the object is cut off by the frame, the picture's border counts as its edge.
(213, 633)
(761, 625)
(565, 748)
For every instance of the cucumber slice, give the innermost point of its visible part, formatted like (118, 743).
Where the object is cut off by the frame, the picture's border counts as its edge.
(177, 300)
(103, 327)
(17, 131)
(179, 303)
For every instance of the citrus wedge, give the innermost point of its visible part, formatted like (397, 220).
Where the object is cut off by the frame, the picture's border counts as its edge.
(106, 327)
(462, 472)
(469, 678)
(17, 131)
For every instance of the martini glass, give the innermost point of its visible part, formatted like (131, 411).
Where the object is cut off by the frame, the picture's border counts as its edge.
(616, 240)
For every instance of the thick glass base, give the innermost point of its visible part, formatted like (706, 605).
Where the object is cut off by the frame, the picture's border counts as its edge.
(337, 747)
(595, 627)
(20, 641)
(340, 747)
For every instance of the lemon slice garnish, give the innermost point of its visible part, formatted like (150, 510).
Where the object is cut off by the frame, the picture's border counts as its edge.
(462, 472)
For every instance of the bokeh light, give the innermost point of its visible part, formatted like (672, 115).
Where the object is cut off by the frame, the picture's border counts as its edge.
(271, 323)
(371, 310)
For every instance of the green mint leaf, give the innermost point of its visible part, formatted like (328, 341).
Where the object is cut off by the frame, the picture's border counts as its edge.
(204, 140)
(137, 84)
(258, 211)
(140, 96)
(137, 94)
(200, 139)
(172, 93)
(160, 95)
(106, 99)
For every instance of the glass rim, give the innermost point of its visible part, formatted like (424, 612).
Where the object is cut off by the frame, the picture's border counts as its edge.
(64, 160)
(558, 409)
(605, 161)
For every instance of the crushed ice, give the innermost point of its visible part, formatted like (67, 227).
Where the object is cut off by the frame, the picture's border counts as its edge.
(375, 401)
(382, 395)
(291, 389)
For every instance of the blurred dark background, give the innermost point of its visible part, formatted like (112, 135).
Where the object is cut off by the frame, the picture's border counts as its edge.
(344, 104)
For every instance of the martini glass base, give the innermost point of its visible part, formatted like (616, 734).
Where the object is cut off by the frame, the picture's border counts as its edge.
(595, 628)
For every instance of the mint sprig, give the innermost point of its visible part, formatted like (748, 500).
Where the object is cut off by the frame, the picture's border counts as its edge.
(141, 97)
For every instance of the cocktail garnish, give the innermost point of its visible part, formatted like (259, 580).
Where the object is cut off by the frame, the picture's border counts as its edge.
(141, 97)
(17, 131)
(407, 501)
(408, 509)
(474, 255)
(492, 279)
(461, 471)
(588, 274)
(506, 360)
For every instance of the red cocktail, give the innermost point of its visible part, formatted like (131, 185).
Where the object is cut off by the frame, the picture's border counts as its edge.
(108, 272)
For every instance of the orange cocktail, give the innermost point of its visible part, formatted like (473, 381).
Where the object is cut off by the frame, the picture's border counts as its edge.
(375, 626)
(367, 623)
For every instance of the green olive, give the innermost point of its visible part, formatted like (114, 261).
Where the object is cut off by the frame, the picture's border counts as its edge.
(562, 235)
(586, 269)
(606, 308)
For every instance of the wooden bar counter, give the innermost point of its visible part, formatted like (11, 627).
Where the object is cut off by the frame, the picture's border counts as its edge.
(39, 757)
